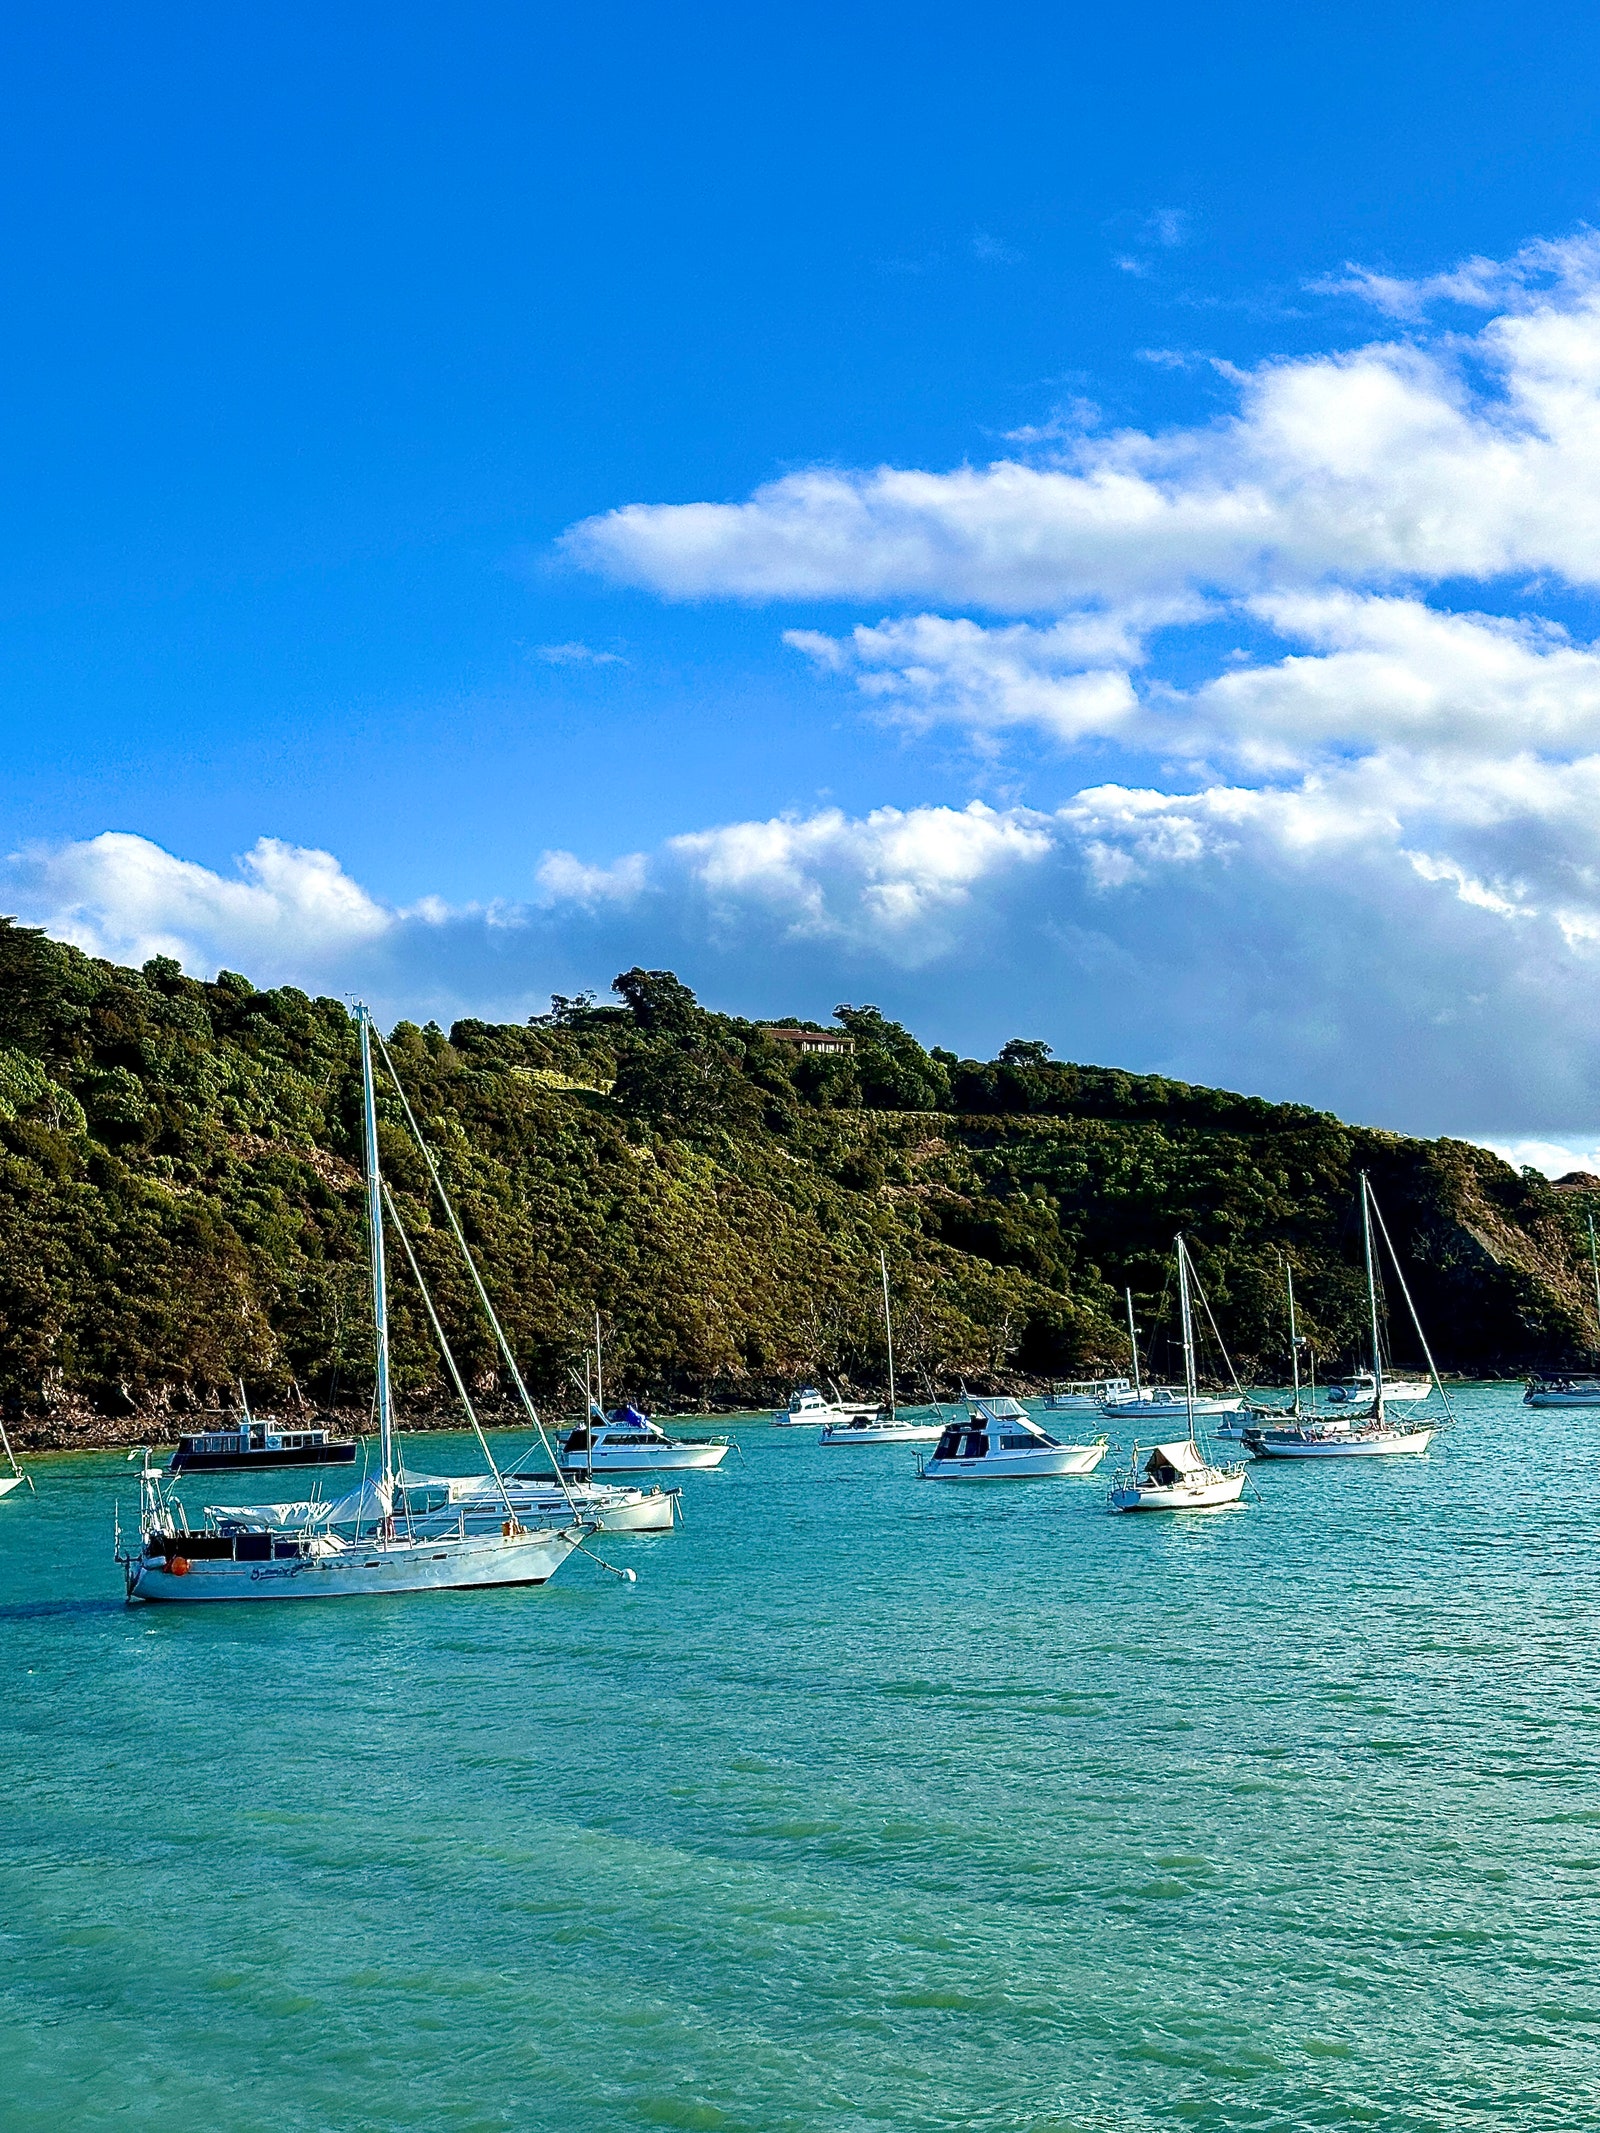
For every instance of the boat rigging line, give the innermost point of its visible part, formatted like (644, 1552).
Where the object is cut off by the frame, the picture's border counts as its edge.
(472, 1268)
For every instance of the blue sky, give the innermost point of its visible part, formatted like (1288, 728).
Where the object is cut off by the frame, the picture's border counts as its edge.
(326, 329)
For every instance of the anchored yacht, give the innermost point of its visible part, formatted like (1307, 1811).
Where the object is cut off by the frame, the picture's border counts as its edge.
(254, 1443)
(883, 1425)
(627, 1442)
(1000, 1441)
(366, 1544)
(1179, 1475)
(1369, 1434)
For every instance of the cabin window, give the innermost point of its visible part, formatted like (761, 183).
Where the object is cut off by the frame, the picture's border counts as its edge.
(949, 1445)
(977, 1445)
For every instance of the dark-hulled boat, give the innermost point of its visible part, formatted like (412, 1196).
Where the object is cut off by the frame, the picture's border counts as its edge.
(251, 1444)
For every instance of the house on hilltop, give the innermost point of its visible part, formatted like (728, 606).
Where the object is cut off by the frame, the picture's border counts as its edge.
(813, 1040)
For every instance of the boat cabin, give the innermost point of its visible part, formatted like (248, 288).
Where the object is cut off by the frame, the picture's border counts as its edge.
(622, 1427)
(248, 1437)
(993, 1426)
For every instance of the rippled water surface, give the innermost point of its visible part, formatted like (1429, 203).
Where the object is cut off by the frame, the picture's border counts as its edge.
(873, 1804)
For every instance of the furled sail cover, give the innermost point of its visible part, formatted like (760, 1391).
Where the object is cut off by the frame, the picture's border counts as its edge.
(364, 1506)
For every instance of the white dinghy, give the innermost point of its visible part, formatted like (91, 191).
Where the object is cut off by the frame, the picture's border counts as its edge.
(366, 1544)
(882, 1425)
(1000, 1441)
(1178, 1475)
(1358, 1436)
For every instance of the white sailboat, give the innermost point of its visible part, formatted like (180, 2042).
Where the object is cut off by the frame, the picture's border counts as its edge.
(15, 1477)
(1178, 1475)
(366, 1544)
(1570, 1389)
(1157, 1402)
(883, 1425)
(1254, 1412)
(1373, 1435)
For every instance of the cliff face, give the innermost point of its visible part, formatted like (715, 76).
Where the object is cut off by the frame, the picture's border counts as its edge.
(180, 1206)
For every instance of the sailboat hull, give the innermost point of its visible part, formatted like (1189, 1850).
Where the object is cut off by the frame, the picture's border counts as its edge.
(1182, 1496)
(360, 1570)
(1337, 1444)
(8, 1482)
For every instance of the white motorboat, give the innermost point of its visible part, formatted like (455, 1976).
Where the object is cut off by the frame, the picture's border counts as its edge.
(365, 1545)
(1178, 1475)
(884, 1426)
(1000, 1441)
(1541, 1392)
(627, 1442)
(1370, 1434)
(1084, 1396)
(809, 1408)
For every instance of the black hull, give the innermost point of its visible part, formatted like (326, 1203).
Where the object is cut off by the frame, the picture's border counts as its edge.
(252, 1462)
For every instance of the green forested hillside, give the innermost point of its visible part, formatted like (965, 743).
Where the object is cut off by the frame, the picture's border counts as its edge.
(180, 1204)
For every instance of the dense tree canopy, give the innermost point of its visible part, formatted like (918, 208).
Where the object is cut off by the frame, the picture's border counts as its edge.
(180, 1203)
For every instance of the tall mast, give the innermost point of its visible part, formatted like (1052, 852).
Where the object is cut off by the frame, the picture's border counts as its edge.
(1594, 1262)
(888, 1329)
(1189, 1386)
(380, 1294)
(1294, 1337)
(599, 1381)
(1372, 1295)
(1133, 1340)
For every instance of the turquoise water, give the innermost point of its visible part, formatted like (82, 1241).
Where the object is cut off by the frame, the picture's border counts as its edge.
(873, 1804)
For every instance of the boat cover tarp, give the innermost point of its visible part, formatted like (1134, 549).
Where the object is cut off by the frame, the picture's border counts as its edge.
(1182, 1457)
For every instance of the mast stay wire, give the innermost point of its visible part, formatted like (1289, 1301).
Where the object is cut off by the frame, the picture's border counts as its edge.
(1372, 1199)
(446, 1351)
(472, 1268)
